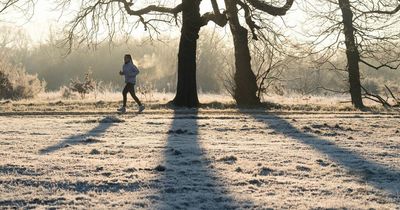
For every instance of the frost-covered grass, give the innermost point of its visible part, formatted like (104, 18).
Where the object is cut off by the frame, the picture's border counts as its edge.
(152, 97)
(207, 159)
(108, 102)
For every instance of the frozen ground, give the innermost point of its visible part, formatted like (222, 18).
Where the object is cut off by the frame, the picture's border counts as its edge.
(207, 159)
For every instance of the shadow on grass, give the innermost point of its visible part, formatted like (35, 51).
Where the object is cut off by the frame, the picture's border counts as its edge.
(53, 186)
(100, 129)
(368, 171)
(189, 181)
(78, 186)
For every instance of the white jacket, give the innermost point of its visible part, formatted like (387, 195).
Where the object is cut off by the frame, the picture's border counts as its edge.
(130, 71)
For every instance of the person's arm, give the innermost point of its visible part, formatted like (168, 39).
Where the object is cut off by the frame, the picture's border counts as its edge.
(122, 71)
(135, 70)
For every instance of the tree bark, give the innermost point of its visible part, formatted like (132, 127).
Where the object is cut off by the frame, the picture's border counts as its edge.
(186, 93)
(352, 53)
(245, 90)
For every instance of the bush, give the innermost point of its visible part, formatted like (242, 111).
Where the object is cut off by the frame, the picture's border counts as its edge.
(66, 92)
(84, 87)
(373, 85)
(146, 89)
(16, 84)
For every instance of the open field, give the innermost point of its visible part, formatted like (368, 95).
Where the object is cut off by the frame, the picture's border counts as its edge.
(107, 102)
(206, 158)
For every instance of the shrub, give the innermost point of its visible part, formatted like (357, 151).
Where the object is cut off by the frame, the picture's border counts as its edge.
(373, 85)
(16, 84)
(84, 87)
(5, 85)
(147, 90)
(66, 92)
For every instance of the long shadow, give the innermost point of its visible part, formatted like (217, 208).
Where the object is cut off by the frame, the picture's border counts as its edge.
(367, 171)
(101, 128)
(78, 186)
(189, 181)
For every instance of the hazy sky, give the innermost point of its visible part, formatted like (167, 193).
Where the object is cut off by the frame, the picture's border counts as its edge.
(45, 17)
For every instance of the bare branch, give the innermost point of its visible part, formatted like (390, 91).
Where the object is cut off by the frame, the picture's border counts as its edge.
(216, 16)
(7, 4)
(272, 10)
(386, 12)
(114, 14)
(24, 6)
(151, 8)
(217, 19)
(391, 93)
(148, 9)
(252, 25)
(215, 7)
(375, 97)
(378, 67)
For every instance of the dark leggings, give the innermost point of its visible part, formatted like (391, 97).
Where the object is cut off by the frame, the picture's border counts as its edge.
(129, 87)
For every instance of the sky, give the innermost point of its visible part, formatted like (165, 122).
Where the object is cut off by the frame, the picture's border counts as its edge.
(46, 18)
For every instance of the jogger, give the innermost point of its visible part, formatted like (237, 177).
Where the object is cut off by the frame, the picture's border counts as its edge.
(130, 71)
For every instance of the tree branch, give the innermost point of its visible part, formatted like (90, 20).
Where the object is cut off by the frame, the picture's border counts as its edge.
(378, 67)
(387, 12)
(216, 16)
(272, 10)
(7, 4)
(391, 93)
(19, 5)
(252, 25)
(375, 97)
(150, 8)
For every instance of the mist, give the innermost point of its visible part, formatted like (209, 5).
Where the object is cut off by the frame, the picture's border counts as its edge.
(157, 61)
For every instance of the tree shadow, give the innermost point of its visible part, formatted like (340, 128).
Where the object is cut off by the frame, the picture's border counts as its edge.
(77, 186)
(189, 180)
(367, 171)
(100, 129)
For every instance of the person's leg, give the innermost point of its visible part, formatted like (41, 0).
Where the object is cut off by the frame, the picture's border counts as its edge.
(124, 94)
(133, 94)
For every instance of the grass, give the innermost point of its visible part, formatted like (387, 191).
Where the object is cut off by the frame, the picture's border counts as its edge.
(221, 159)
(109, 101)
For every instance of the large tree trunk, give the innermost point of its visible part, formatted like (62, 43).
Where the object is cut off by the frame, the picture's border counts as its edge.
(186, 93)
(353, 56)
(245, 90)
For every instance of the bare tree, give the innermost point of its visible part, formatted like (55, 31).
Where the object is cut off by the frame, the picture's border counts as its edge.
(246, 87)
(269, 65)
(361, 29)
(186, 94)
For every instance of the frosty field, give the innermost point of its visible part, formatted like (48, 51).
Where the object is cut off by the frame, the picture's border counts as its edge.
(200, 159)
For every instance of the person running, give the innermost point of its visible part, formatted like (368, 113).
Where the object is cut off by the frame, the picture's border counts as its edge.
(130, 71)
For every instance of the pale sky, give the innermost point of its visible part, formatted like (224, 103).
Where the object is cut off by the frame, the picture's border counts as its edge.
(45, 17)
